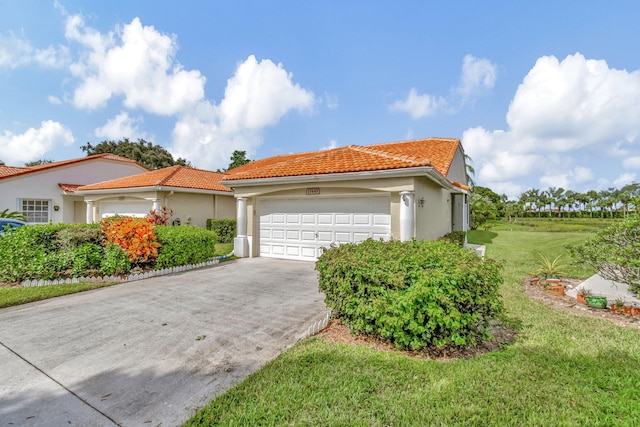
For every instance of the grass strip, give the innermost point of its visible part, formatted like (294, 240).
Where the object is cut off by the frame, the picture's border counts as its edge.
(19, 295)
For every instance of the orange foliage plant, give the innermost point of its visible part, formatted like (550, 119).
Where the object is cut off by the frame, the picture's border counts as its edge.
(136, 236)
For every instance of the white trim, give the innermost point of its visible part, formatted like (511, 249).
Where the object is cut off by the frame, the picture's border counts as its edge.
(347, 176)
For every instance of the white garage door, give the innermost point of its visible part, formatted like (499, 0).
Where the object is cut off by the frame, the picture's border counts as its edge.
(298, 228)
(125, 208)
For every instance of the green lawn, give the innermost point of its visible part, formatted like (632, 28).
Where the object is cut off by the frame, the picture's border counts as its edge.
(19, 295)
(563, 369)
(551, 224)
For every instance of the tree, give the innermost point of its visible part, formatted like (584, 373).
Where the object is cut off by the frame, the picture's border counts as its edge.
(614, 252)
(469, 170)
(238, 158)
(38, 162)
(1, 163)
(481, 210)
(146, 153)
(12, 215)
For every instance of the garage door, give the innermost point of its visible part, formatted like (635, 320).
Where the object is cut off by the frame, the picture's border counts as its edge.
(125, 208)
(298, 228)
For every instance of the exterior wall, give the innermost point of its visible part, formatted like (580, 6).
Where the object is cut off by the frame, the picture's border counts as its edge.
(44, 184)
(458, 168)
(225, 206)
(433, 220)
(195, 209)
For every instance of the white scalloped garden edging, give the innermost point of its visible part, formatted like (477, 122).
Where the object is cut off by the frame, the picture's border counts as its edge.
(119, 279)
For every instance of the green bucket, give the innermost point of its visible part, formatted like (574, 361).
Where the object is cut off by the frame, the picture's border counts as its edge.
(596, 301)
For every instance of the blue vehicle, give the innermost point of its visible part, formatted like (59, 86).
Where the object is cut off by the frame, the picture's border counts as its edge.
(10, 224)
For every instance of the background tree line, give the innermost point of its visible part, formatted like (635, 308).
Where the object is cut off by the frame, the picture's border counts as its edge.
(554, 203)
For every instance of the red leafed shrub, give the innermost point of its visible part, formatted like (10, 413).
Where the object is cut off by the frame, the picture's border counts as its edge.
(136, 236)
(161, 216)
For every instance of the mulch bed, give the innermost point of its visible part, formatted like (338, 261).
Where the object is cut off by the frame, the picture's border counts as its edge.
(337, 332)
(538, 293)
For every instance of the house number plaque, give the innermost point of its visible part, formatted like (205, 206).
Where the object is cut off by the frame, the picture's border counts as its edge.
(313, 191)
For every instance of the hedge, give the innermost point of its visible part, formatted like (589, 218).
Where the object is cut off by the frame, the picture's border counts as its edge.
(224, 228)
(413, 294)
(182, 245)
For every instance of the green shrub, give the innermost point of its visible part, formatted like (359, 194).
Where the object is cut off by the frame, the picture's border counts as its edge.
(30, 253)
(86, 258)
(225, 229)
(115, 261)
(457, 237)
(414, 294)
(184, 245)
(76, 235)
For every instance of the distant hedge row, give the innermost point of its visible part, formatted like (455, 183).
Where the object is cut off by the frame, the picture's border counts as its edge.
(225, 229)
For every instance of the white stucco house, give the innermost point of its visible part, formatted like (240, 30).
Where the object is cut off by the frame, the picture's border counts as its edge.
(291, 206)
(46, 193)
(194, 195)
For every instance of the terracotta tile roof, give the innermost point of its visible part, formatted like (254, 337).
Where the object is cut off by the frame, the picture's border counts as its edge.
(436, 152)
(69, 188)
(6, 171)
(173, 176)
(10, 170)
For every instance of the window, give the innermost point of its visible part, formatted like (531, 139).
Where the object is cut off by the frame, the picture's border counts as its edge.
(35, 210)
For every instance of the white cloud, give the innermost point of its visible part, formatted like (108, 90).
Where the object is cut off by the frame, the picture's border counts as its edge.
(331, 101)
(17, 52)
(257, 96)
(419, 106)
(332, 144)
(632, 162)
(34, 143)
(564, 112)
(477, 74)
(136, 62)
(54, 100)
(121, 126)
(624, 179)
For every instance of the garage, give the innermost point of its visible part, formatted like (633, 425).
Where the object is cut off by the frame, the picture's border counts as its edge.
(297, 228)
(135, 208)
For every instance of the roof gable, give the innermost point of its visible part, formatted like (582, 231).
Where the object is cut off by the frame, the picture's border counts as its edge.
(172, 176)
(7, 171)
(435, 152)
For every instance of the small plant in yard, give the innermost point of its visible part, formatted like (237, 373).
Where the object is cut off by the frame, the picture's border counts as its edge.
(617, 305)
(583, 293)
(550, 268)
(161, 216)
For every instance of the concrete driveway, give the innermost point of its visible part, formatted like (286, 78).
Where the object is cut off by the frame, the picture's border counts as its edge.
(152, 352)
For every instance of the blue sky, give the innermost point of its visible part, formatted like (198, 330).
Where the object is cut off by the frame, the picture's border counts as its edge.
(542, 94)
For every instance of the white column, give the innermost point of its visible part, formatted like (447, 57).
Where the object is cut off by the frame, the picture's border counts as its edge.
(156, 205)
(89, 212)
(407, 216)
(241, 243)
